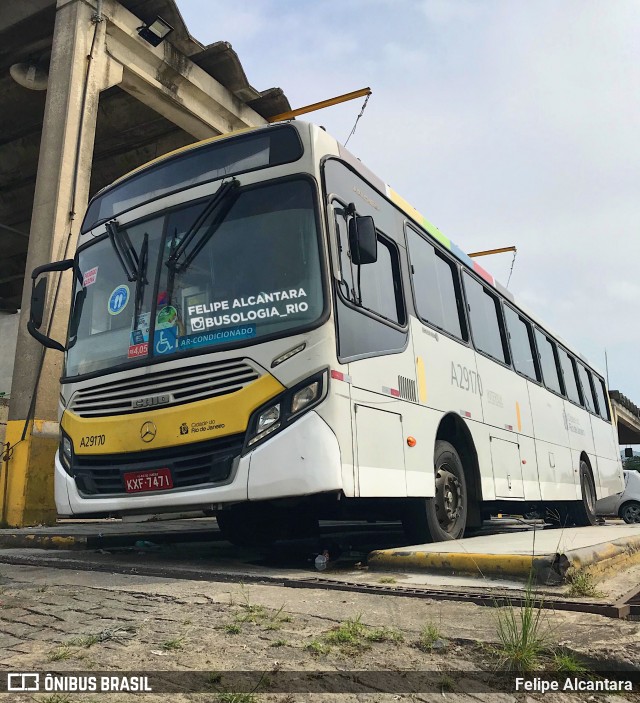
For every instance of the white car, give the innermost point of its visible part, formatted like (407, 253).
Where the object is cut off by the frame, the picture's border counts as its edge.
(625, 504)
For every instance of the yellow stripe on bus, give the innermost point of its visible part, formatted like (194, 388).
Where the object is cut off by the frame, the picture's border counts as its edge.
(171, 427)
(518, 416)
(422, 379)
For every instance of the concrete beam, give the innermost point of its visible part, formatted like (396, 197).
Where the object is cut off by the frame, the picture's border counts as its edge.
(171, 84)
(628, 425)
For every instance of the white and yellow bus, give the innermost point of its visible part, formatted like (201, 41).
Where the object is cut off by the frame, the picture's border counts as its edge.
(264, 330)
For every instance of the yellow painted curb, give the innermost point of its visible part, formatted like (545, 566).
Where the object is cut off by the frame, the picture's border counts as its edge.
(474, 564)
(15, 540)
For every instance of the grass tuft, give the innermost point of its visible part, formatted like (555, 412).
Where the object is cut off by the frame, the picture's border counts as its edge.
(581, 583)
(175, 643)
(233, 629)
(567, 663)
(520, 634)
(428, 637)
(85, 641)
(317, 648)
(384, 634)
(60, 653)
(387, 579)
(348, 632)
(446, 684)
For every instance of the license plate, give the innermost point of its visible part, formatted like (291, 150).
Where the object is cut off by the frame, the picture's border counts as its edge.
(155, 480)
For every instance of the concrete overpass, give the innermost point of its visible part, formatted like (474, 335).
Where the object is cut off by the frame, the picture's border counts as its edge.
(627, 416)
(85, 99)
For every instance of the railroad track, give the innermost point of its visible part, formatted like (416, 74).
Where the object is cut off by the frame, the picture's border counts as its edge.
(628, 606)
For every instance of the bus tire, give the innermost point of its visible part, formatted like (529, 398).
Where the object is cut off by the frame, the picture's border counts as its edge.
(443, 517)
(584, 510)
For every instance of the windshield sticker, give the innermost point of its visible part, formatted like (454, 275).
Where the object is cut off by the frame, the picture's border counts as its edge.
(89, 277)
(167, 317)
(118, 300)
(137, 350)
(260, 307)
(194, 341)
(166, 341)
(140, 333)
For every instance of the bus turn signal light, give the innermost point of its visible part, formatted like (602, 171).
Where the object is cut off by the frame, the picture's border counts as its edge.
(411, 441)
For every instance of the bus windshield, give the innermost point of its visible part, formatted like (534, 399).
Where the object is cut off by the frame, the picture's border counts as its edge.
(222, 272)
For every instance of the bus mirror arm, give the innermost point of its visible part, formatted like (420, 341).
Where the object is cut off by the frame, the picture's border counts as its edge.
(38, 299)
(43, 339)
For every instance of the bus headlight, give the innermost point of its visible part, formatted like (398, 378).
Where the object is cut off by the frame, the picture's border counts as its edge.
(268, 417)
(66, 452)
(304, 397)
(285, 408)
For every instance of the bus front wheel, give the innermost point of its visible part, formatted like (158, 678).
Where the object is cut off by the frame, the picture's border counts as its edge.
(444, 516)
(584, 511)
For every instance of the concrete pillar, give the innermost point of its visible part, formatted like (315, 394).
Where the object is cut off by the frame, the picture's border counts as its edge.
(64, 169)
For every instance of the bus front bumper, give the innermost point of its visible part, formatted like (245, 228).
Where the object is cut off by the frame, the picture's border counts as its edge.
(301, 460)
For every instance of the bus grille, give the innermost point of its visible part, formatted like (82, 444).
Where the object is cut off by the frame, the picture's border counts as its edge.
(161, 389)
(407, 388)
(201, 464)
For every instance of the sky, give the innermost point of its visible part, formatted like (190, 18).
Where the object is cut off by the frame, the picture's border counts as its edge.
(504, 122)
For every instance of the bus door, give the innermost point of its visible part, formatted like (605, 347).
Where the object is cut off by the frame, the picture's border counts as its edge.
(372, 336)
(505, 400)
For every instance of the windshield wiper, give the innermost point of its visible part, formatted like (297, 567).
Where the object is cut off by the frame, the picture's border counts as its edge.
(141, 278)
(124, 250)
(134, 266)
(219, 205)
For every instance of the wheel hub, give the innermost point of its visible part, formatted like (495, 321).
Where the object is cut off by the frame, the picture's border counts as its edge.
(448, 498)
(632, 513)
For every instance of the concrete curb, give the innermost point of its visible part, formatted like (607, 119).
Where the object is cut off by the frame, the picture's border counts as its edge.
(543, 568)
(550, 568)
(600, 556)
(38, 541)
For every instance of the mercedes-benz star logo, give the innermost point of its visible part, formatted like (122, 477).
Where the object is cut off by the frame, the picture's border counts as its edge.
(148, 432)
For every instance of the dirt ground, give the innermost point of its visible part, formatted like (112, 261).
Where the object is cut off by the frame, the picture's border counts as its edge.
(64, 621)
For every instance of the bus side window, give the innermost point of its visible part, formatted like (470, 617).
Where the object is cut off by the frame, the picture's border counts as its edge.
(548, 362)
(375, 287)
(603, 406)
(436, 286)
(569, 376)
(587, 389)
(522, 347)
(379, 284)
(486, 320)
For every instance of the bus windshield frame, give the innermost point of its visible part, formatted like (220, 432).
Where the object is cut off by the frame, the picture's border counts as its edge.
(170, 301)
(197, 165)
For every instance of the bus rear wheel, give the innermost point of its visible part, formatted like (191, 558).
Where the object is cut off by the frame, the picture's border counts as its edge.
(443, 517)
(583, 511)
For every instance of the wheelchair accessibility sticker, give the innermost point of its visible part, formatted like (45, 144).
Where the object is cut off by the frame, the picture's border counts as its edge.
(118, 300)
(166, 341)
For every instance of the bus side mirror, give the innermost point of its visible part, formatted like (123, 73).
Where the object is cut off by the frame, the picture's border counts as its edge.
(363, 240)
(38, 299)
(628, 452)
